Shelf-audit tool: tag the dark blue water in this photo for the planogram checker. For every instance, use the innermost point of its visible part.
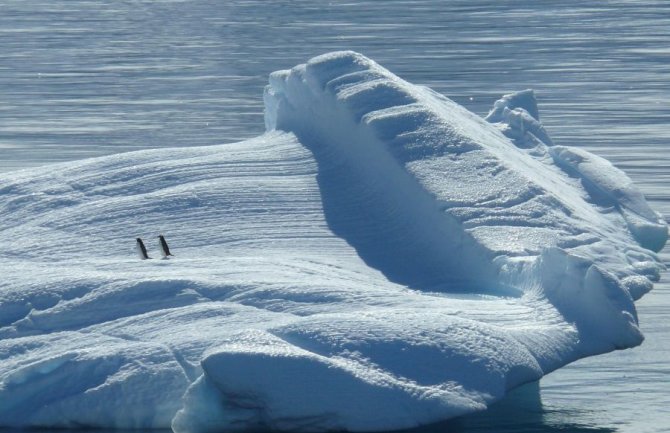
(86, 78)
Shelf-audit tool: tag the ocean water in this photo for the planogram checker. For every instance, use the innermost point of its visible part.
(84, 78)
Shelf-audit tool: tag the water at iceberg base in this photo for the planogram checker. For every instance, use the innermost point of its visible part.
(380, 259)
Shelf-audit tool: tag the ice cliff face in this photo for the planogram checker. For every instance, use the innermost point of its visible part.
(386, 261)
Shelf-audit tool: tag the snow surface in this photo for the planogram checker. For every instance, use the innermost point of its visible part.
(381, 258)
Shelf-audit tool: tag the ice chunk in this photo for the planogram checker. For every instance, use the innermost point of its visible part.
(389, 260)
(609, 186)
(369, 372)
(524, 100)
(518, 118)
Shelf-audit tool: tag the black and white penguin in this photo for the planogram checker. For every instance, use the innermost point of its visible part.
(165, 250)
(141, 249)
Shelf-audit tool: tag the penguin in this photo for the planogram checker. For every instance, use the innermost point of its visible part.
(141, 249)
(165, 250)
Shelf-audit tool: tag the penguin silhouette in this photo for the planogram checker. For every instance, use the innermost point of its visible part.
(141, 249)
(165, 250)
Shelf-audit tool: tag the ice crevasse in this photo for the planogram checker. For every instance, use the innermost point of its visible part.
(380, 259)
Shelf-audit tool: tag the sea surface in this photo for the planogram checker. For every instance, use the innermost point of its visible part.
(81, 79)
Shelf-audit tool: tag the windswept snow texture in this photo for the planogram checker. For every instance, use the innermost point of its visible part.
(380, 259)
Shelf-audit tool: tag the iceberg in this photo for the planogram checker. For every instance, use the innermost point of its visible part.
(380, 259)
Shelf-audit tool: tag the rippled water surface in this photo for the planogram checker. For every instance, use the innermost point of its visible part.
(88, 78)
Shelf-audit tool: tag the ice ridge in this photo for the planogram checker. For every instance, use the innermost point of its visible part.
(442, 191)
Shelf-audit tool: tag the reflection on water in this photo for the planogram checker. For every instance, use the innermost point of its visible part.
(521, 412)
(81, 78)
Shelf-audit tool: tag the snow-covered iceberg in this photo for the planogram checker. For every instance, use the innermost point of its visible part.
(381, 258)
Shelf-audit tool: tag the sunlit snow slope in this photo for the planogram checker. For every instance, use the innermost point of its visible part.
(389, 260)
